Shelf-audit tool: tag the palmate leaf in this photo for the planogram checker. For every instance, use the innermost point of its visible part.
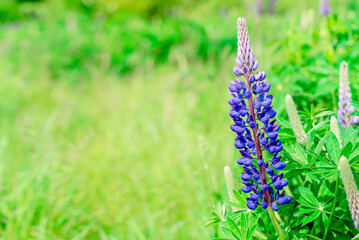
(284, 122)
(338, 235)
(219, 213)
(347, 150)
(329, 174)
(325, 219)
(293, 172)
(324, 194)
(308, 196)
(324, 172)
(212, 221)
(350, 138)
(227, 231)
(354, 156)
(301, 154)
(320, 125)
(241, 200)
(323, 114)
(304, 203)
(234, 228)
(243, 229)
(292, 154)
(311, 217)
(303, 211)
(333, 147)
(311, 139)
(252, 226)
(322, 159)
(356, 107)
(346, 133)
(319, 148)
(244, 224)
(234, 204)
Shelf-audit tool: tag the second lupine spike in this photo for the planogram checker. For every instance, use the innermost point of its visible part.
(334, 127)
(252, 113)
(345, 97)
(351, 189)
(295, 121)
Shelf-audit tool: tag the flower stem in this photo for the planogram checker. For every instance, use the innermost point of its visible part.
(275, 224)
(262, 172)
(278, 217)
(334, 203)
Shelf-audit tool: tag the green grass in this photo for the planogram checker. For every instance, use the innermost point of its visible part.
(135, 159)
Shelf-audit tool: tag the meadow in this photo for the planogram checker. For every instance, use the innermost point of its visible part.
(116, 126)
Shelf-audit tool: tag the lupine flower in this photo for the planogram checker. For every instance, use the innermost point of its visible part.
(295, 121)
(334, 127)
(345, 97)
(252, 113)
(351, 189)
(324, 8)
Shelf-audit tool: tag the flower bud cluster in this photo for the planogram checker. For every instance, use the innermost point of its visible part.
(295, 121)
(252, 113)
(351, 189)
(345, 97)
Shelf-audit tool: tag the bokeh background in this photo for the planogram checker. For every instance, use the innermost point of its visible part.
(114, 115)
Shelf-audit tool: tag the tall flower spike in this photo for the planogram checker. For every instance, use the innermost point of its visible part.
(295, 121)
(350, 189)
(252, 113)
(345, 97)
(334, 127)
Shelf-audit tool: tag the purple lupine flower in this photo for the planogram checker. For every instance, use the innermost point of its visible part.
(345, 97)
(253, 113)
(324, 8)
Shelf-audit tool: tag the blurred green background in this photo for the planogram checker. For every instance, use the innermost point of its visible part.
(114, 115)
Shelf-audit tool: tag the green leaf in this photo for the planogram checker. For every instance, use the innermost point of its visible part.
(303, 211)
(322, 170)
(324, 113)
(329, 174)
(350, 138)
(306, 204)
(235, 204)
(347, 150)
(212, 221)
(301, 154)
(235, 229)
(229, 233)
(325, 219)
(241, 200)
(355, 104)
(252, 226)
(244, 224)
(308, 196)
(311, 218)
(319, 147)
(325, 193)
(354, 156)
(333, 147)
(315, 155)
